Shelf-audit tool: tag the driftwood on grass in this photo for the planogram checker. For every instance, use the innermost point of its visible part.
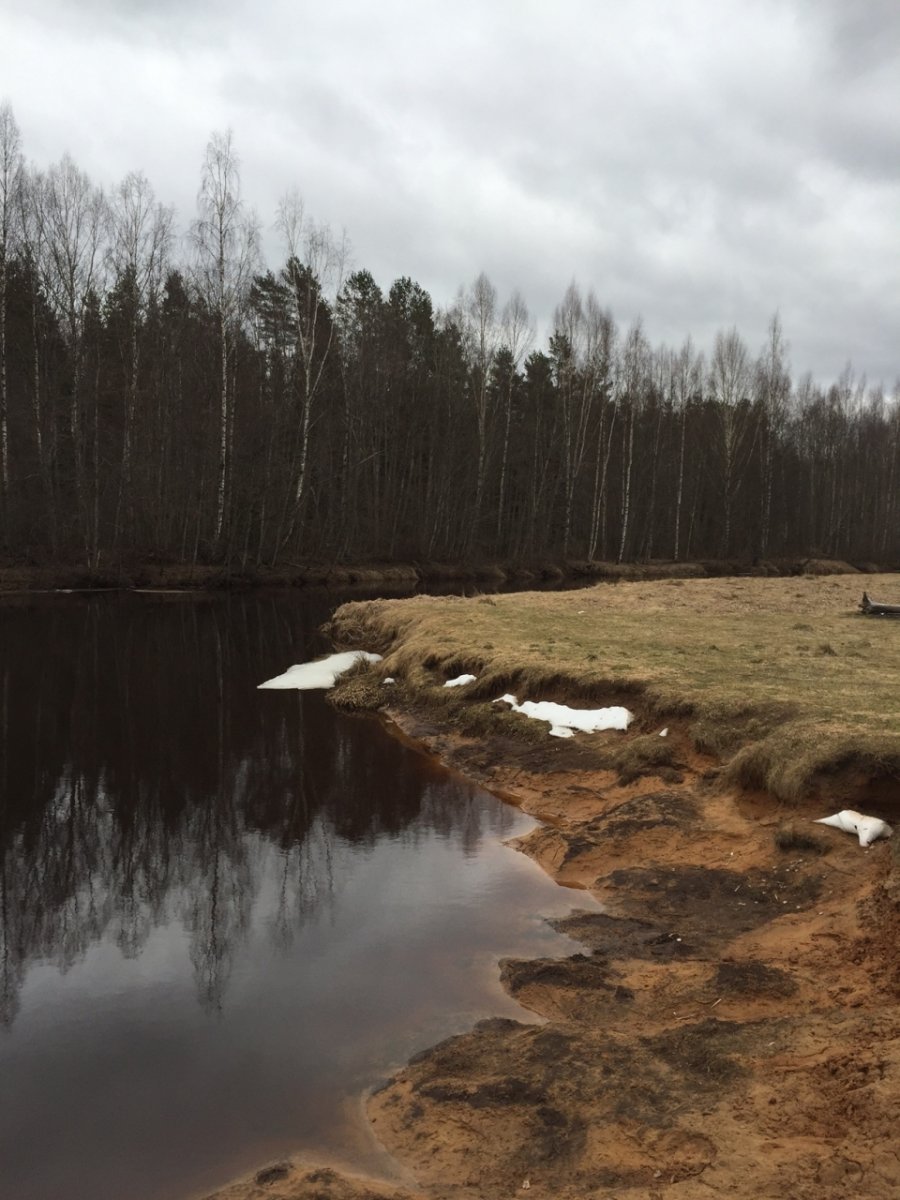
(871, 608)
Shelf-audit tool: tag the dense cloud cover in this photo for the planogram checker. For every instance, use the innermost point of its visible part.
(700, 164)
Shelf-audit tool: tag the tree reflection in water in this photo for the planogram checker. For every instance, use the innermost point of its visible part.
(169, 835)
(144, 780)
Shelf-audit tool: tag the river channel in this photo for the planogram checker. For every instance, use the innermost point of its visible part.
(224, 912)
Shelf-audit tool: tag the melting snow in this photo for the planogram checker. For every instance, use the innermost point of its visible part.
(868, 829)
(320, 674)
(460, 680)
(564, 721)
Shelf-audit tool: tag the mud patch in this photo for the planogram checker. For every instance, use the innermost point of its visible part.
(703, 1053)
(580, 989)
(298, 1181)
(520, 1096)
(273, 1174)
(710, 905)
(576, 851)
(540, 755)
(753, 978)
(650, 811)
(636, 815)
(622, 937)
(578, 971)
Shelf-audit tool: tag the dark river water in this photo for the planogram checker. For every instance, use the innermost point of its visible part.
(224, 913)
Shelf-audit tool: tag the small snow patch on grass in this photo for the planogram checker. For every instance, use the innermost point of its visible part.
(320, 674)
(565, 721)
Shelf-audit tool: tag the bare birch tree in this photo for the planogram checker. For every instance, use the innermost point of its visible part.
(10, 183)
(604, 356)
(686, 388)
(73, 219)
(30, 227)
(141, 243)
(729, 383)
(578, 348)
(314, 276)
(634, 379)
(517, 331)
(773, 389)
(892, 455)
(481, 338)
(226, 242)
(844, 400)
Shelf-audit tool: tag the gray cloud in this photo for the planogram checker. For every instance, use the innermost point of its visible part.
(700, 164)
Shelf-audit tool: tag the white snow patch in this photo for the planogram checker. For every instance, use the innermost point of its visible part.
(564, 721)
(460, 680)
(868, 829)
(320, 674)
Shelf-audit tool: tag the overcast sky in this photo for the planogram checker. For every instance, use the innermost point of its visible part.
(700, 163)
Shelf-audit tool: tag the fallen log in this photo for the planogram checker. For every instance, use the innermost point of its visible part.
(871, 608)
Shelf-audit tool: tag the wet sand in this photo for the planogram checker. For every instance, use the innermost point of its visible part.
(730, 1028)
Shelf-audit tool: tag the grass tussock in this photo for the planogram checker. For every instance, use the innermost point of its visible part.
(546, 683)
(483, 720)
(722, 726)
(359, 691)
(614, 572)
(642, 755)
(368, 576)
(803, 759)
(792, 717)
(828, 566)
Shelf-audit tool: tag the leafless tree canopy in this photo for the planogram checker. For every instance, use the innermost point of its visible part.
(187, 403)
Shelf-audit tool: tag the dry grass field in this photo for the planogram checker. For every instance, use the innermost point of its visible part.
(781, 678)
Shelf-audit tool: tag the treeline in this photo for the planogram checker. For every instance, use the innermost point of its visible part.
(176, 400)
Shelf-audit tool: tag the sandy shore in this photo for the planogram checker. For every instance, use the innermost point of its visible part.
(731, 1027)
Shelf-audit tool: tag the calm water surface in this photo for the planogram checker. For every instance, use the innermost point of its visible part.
(223, 912)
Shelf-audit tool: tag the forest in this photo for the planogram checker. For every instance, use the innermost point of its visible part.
(170, 398)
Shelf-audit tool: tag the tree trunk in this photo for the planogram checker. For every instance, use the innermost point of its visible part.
(679, 488)
(223, 428)
(626, 480)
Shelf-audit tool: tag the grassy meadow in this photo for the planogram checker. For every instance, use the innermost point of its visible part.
(780, 678)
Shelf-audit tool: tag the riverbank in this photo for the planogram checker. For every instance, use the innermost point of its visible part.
(139, 576)
(731, 1025)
